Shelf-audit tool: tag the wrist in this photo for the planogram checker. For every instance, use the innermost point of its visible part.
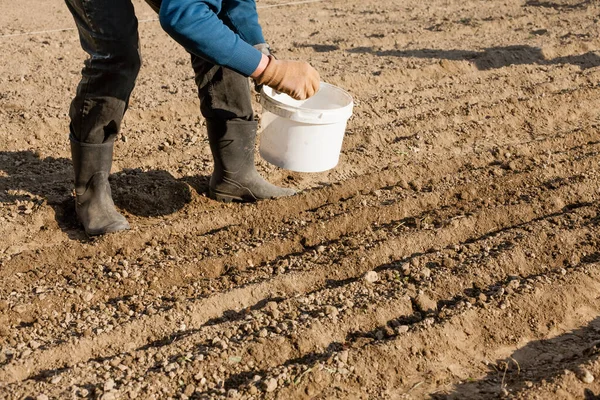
(262, 65)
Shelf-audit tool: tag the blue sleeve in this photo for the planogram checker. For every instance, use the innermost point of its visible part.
(195, 25)
(241, 16)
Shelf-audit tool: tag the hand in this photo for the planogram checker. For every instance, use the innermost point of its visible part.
(294, 78)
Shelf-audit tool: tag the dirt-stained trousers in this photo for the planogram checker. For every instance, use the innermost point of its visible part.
(108, 31)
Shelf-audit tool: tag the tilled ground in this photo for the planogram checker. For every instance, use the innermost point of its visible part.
(452, 254)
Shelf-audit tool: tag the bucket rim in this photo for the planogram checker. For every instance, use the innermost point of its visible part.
(314, 116)
(322, 84)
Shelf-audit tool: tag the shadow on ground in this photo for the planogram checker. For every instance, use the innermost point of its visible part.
(25, 176)
(491, 58)
(538, 360)
(558, 6)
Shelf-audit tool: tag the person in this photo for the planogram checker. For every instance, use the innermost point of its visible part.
(227, 46)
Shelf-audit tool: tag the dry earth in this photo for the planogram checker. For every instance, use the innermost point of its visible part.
(452, 254)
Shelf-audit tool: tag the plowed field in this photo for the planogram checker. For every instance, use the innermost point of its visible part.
(452, 254)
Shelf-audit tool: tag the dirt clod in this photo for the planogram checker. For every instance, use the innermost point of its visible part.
(425, 304)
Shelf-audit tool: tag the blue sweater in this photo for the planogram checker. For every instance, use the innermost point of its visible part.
(220, 31)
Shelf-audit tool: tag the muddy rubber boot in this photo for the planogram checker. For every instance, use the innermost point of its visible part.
(235, 177)
(94, 204)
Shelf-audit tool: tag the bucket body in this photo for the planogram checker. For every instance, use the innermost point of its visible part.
(307, 135)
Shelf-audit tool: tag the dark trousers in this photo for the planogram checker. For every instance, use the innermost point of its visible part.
(108, 30)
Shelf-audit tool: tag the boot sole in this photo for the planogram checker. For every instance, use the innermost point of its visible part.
(118, 227)
(227, 198)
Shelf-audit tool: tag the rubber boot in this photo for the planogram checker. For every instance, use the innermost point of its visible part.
(94, 204)
(235, 177)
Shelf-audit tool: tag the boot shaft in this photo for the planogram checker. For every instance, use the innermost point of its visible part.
(232, 146)
(89, 160)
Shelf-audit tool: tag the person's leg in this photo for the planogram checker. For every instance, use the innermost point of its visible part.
(108, 33)
(226, 105)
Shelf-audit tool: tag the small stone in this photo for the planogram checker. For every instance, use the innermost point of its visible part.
(83, 392)
(270, 385)
(253, 390)
(263, 333)
(171, 367)
(425, 304)
(42, 397)
(271, 306)
(115, 362)
(4, 331)
(109, 385)
(3, 305)
(405, 268)
(425, 273)
(55, 380)
(87, 297)
(20, 309)
(402, 329)
(482, 297)
(198, 377)
(344, 356)
(331, 311)
(34, 344)
(320, 249)
(189, 390)
(371, 277)
(108, 396)
(586, 376)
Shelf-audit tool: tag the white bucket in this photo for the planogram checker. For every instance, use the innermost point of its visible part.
(304, 135)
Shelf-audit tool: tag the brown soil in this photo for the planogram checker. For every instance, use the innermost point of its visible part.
(452, 254)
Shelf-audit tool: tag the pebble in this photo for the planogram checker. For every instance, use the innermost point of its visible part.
(3, 305)
(586, 376)
(344, 356)
(42, 397)
(402, 329)
(320, 249)
(108, 396)
(270, 385)
(331, 311)
(109, 385)
(189, 390)
(20, 309)
(371, 277)
(263, 333)
(253, 390)
(87, 296)
(425, 273)
(34, 344)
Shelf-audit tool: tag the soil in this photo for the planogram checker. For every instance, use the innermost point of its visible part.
(452, 254)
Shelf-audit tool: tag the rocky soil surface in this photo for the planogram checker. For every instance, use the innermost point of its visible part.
(452, 254)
